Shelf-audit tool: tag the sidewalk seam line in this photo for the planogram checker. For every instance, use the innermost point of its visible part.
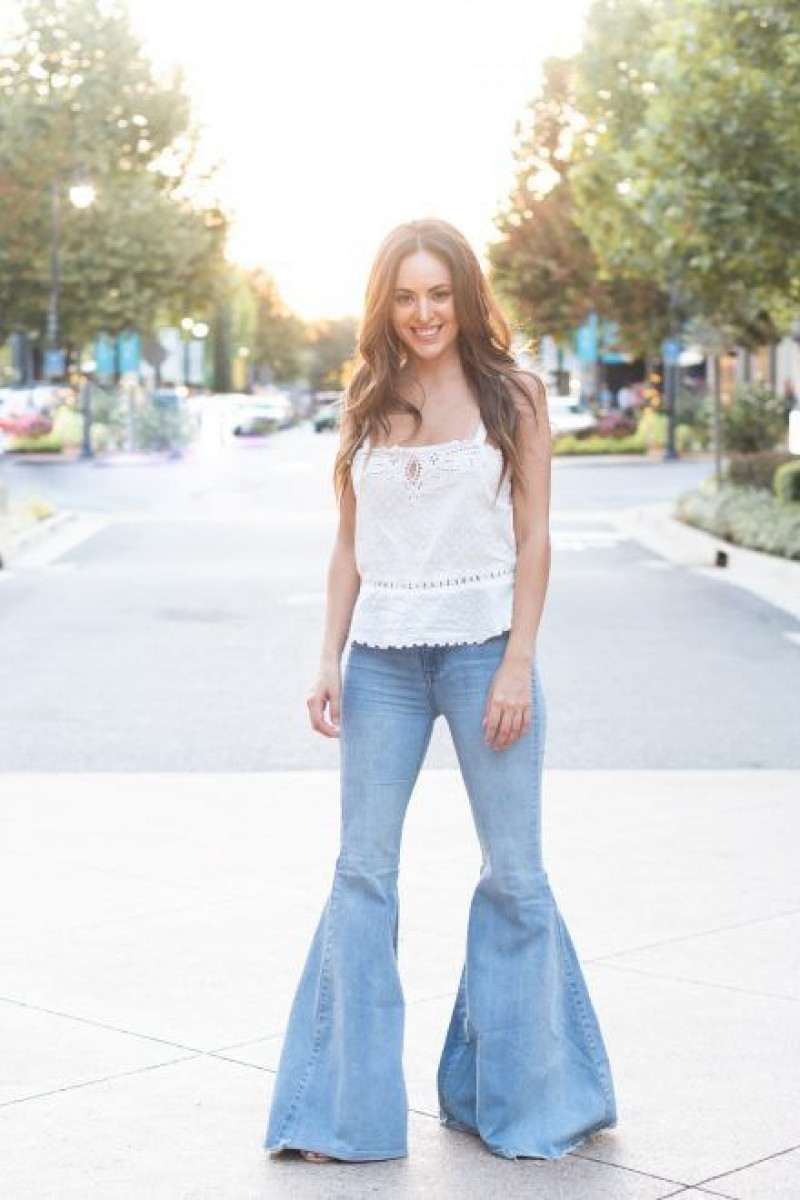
(726, 987)
(688, 937)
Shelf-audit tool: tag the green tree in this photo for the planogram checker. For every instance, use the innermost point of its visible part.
(77, 95)
(689, 155)
(543, 264)
(279, 337)
(331, 347)
(252, 321)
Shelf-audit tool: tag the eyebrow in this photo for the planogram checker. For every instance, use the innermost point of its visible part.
(436, 287)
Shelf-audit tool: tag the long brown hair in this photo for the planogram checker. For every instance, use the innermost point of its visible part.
(484, 339)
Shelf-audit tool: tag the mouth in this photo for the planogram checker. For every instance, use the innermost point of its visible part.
(426, 333)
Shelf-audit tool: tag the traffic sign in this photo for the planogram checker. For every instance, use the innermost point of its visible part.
(670, 350)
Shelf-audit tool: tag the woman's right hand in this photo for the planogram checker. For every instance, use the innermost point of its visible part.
(326, 691)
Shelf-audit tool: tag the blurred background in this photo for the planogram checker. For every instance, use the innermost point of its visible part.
(190, 198)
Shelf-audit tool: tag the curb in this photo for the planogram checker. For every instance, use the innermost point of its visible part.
(774, 579)
(16, 543)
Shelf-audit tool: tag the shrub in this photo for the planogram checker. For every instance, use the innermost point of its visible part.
(614, 424)
(686, 438)
(653, 429)
(49, 442)
(110, 413)
(755, 470)
(68, 425)
(745, 516)
(162, 427)
(569, 444)
(755, 419)
(100, 437)
(786, 482)
(695, 412)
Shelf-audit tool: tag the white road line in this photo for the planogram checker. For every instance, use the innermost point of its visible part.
(586, 539)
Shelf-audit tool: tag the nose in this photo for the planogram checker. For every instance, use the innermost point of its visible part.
(424, 309)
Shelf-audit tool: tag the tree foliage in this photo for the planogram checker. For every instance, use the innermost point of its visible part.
(79, 98)
(332, 345)
(544, 264)
(689, 154)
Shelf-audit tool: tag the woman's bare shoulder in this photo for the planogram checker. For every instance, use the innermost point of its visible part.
(529, 394)
(531, 383)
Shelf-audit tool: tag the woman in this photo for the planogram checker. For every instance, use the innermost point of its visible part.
(438, 576)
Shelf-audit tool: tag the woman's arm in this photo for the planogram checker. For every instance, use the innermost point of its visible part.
(508, 706)
(343, 584)
(531, 523)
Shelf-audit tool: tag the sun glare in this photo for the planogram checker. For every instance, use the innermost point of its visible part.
(332, 120)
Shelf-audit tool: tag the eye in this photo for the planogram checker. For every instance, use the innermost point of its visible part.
(441, 294)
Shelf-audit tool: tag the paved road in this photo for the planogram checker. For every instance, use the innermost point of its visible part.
(183, 634)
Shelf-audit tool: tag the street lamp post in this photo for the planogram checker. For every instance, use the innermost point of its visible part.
(81, 195)
(52, 312)
(670, 354)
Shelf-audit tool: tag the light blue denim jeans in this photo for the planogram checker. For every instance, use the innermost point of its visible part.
(523, 1064)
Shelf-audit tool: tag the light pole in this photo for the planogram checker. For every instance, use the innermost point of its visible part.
(670, 353)
(81, 195)
(87, 370)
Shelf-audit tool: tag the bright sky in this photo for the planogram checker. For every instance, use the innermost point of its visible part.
(337, 119)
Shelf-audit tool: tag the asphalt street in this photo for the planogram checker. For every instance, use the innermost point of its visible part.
(178, 627)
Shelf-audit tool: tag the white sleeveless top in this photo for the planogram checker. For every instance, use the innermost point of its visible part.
(435, 552)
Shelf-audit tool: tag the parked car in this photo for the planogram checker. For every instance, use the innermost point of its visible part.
(569, 416)
(255, 415)
(327, 416)
(33, 397)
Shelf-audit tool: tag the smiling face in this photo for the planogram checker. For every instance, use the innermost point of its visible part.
(423, 310)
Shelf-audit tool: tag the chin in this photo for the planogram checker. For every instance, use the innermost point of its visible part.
(428, 352)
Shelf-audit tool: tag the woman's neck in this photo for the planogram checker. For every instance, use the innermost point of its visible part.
(442, 375)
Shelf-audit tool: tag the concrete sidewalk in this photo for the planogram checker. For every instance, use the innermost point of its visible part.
(153, 928)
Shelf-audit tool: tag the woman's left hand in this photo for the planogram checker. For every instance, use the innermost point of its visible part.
(508, 706)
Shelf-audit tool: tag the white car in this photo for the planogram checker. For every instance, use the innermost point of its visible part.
(569, 416)
(261, 413)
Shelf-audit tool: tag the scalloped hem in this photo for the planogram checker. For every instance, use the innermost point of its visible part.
(406, 645)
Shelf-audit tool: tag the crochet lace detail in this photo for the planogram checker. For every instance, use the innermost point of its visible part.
(418, 466)
(435, 545)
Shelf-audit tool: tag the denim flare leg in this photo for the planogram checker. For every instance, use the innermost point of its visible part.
(523, 1065)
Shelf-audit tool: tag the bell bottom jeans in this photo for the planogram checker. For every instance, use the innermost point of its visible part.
(523, 1063)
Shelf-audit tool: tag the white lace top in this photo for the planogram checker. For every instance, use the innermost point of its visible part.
(435, 552)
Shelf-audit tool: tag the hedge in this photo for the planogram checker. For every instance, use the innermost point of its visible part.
(747, 517)
(786, 482)
(568, 444)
